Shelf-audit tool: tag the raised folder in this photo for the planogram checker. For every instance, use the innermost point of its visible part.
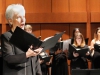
(81, 51)
(46, 59)
(24, 40)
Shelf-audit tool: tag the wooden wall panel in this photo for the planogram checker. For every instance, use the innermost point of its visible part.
(94, 26)
(50, 30)
(0, 18)
(0, 6)
(60, 6)
(69, 17)
(95, 5)
(8, 2)
(0, 29)
(81, 26)
(28, 6)
(1, 11)
(95, 16)
(77, 5)
(37, 6)
(36, 29)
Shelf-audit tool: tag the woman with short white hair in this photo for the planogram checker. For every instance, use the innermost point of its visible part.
(15, 60)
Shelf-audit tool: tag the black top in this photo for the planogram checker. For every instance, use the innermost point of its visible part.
(78, 62)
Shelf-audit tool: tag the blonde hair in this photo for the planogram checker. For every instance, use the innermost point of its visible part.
(82, 43)
(28, 27)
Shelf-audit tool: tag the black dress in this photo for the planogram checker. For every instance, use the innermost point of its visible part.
(96, 59)
(79, 62)
(44, 67)
(59, 64)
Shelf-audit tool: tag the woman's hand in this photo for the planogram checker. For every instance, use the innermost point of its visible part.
(75, 54)
(88, 53)
(31, 52)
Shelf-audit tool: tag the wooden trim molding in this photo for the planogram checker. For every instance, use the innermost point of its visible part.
(68, 17)
(95, 16)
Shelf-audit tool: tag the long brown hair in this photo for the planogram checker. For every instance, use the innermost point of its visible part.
(95, 34)
(82, 43)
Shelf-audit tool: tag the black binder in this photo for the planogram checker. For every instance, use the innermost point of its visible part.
(80, 72)
(24, 40)
(46, 59)
(60, 45)
(95, 72)
(85, 72)
(81, 51)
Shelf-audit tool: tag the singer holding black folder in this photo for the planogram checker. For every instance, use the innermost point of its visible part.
(59, 62)
(95, 49)
(77, 60)
(16, 61)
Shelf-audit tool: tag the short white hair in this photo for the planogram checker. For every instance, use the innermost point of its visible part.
(11, 9)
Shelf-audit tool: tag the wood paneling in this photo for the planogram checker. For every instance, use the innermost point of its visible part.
(0, 11)
(50, 30)
(82, 28)
(36, 29)
(0, 18)
(94, 26)
(8, 2)
(37, 6)
(95, 16)
(69, 17)
(95, 5)
(0, 29)
(60, 6)
(0, 6)
(77, 5)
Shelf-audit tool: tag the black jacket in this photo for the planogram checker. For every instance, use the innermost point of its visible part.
(15, 61)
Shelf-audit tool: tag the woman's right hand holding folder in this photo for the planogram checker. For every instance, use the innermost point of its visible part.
(32, 52)
(75, 54)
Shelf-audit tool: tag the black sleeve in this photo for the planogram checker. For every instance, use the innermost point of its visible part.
(8, 52)
(70, 56)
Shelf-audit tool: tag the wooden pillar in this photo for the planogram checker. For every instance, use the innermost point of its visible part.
(88, 27)
(3, 16)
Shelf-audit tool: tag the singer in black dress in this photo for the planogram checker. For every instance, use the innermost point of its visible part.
(78, 61)
(95, 52)
(59, 62)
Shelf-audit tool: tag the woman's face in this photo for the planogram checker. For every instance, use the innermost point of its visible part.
(18, 20)
(77, 31)
(28, 30)
(98, 32)
(78, 40)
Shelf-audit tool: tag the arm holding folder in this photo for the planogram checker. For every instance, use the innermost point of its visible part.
(80, 51)
(24, 40)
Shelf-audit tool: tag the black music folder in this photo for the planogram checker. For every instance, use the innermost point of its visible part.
(94, 71)
(81, 51)
(46, 59)
(97, 47)
(60, 45)
(24, 40)
(80, 72)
